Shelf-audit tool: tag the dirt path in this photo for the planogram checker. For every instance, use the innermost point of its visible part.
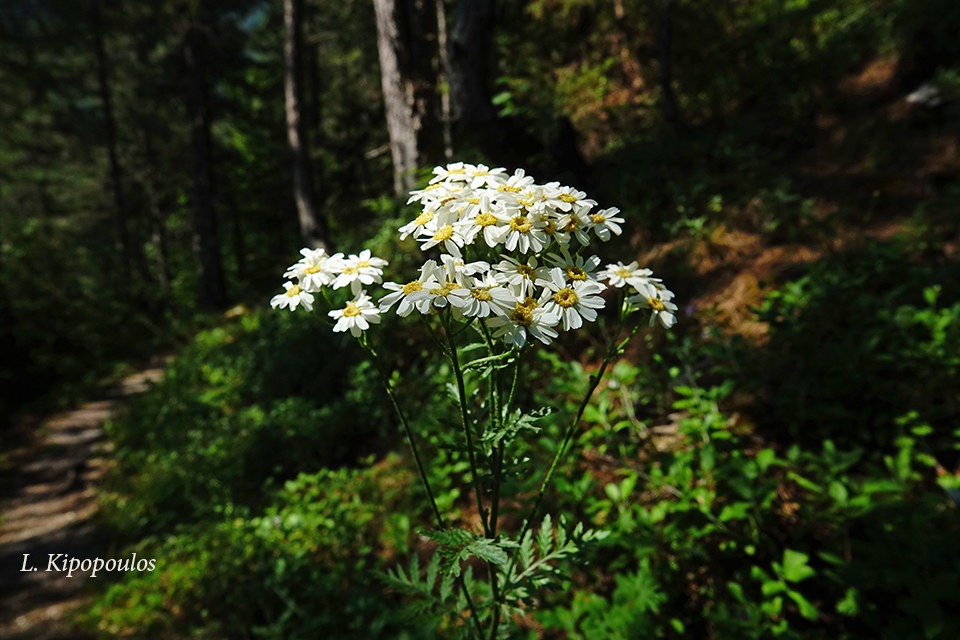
(48, 502)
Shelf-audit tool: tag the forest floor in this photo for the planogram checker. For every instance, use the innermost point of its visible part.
(49, 503)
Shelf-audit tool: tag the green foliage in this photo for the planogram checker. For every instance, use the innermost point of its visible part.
(718, 536)
(300, 569)
(246, 406)
(874, 317)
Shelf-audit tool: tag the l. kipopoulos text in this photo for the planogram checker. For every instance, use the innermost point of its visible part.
(64, 563)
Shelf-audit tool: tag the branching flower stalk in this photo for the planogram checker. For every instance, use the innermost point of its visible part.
(530, 276)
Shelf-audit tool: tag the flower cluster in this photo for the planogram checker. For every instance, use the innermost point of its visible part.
(512, 256)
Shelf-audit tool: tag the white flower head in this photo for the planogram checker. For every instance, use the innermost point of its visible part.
(525, 233)
(357, 316)
(315, 269)
(606, 222)
(359, 270)
(483, 297)
(292, 297)
(619, 274)
(413, 295)
(572, 302)
(526, 319)
(576, 268)
(651, 294)
(520, 276)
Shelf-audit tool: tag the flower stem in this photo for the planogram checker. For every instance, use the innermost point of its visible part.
(407, 432)
(465, 423)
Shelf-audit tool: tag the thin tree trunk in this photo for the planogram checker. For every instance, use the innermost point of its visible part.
(121, 222)
(313, 229)
(470, 63)
(212, 287)
(406, 41)
(446, 107)
(671, 112)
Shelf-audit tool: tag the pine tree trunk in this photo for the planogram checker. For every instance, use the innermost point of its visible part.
(407, 44)
(470, 63)
(121, 221)
(313, 229)
(212, 288)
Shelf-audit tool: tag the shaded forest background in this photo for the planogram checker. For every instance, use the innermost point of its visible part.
(162, 162)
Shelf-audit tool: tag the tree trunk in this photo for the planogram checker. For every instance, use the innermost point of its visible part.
(212, 288)
(470, 63)
(313, 229)
(671, 112)
(121, 222)
(407, 44)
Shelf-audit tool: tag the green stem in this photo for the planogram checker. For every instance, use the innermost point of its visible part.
(465, 423)
(615, 348)
(407, 432)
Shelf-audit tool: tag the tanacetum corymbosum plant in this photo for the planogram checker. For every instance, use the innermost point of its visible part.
(511, 268)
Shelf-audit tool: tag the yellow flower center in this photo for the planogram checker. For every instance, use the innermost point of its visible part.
(293, 291)
(423, 218)
(576, 273)
(522, 315)
(363, 264)
(312, 269)
(598, 218)
(506, 188)
(473, 200)
(571, 224)
(444, 233)
(521, 224)
(526, 202)
(351, 270)
(566, 197)
(351, 310)
(526, 271)
(486, 219)
(528, 303)
(550, 229)
(412, 287)
(444, 289)
(481, 294)
(624, 273)
(656, 304)
(566, 297)
(458, 172)
(481, 172)
(435, 185)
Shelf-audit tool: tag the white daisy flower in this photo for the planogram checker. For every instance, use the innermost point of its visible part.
(452, 172)
(418, 223)
(525, 234)
(359, 270)
(567, 199)
(575, 268)
(481, 297)
(443, 230)
(357, 316)
(315, 269)
(413, 295)
(526, 319)
(522, 276)
(572, 302)
(619, 275)
(605, 222)
(654, 296)
(293, 296)
(483, 176)
(574, 224)
(487, 222)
